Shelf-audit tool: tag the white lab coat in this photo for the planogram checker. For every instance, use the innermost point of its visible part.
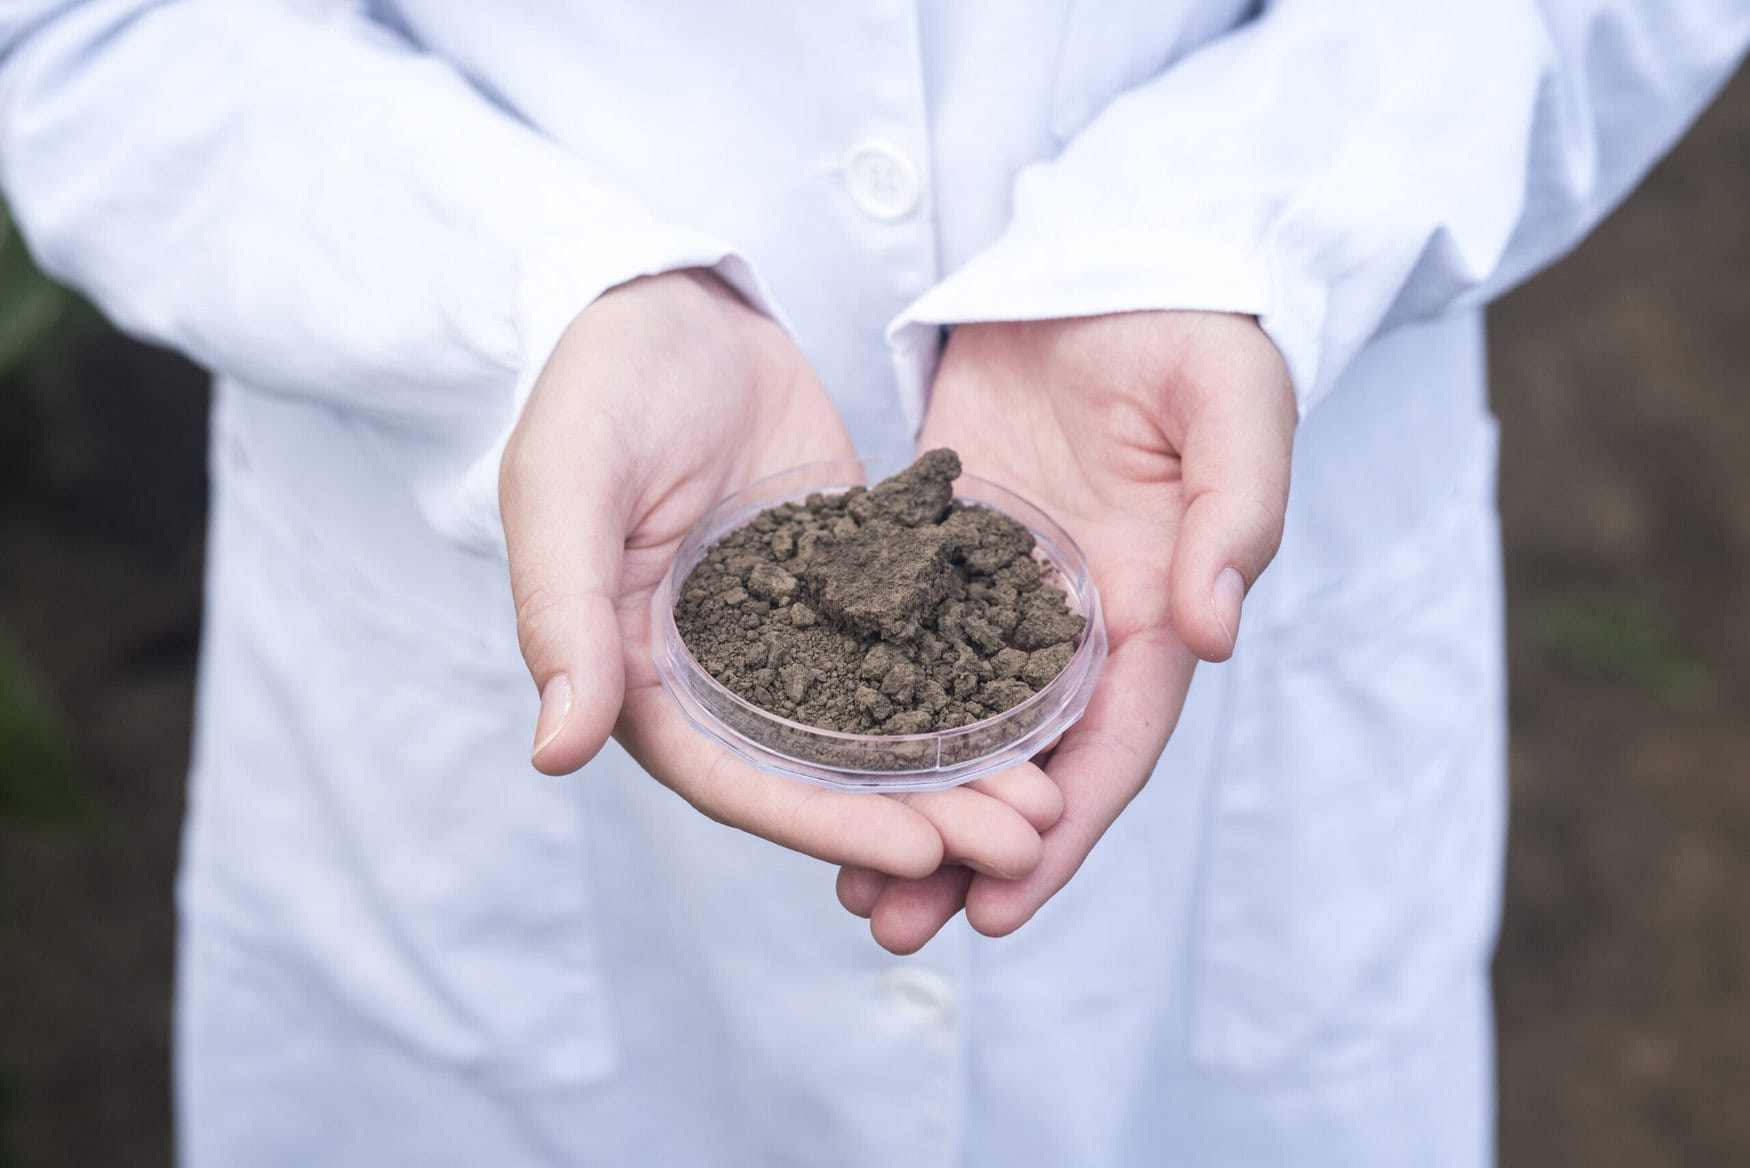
(401, 946)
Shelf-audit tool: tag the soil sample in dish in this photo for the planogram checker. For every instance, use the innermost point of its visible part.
(891, 610)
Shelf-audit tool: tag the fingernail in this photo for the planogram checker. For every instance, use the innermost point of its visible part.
(555, 708)
(1225, 600)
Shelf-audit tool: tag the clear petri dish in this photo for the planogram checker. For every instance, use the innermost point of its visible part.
(877, 762)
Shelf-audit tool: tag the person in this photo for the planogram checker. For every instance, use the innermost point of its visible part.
(500, 298)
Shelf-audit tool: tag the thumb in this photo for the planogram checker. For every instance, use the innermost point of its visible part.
(1235, 460)
(565, 530)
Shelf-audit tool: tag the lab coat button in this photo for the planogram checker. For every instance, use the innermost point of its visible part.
(882, 180)
(925, 995)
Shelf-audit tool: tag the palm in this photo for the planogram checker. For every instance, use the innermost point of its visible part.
(1119, 493)
(1098, 444)
(754, 432)
(652, 412)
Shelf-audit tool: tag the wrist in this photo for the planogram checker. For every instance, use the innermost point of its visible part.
(1126, 353)
(688, 309)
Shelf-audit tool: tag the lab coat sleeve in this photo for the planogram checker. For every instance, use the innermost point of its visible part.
(1336, 169)
(294, 196)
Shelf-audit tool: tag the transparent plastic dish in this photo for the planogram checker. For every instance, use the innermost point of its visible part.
(877, 762)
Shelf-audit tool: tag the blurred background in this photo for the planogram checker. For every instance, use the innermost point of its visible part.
(1622, 379)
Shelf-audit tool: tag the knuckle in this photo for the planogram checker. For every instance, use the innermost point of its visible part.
(1260, 519)
(709, 795)
(541, 614)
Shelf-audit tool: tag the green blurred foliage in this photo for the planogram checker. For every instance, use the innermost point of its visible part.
(38, 777)
(32, 307)
(1619, 639)
(38, 782)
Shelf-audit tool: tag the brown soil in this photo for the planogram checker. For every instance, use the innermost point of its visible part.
(892, 610)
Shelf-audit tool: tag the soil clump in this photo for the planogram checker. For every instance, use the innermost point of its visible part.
(889, 610)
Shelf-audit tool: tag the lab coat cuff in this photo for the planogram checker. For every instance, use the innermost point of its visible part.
(556, 288)
(1048, 278)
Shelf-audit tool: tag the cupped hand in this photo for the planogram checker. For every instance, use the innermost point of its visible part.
(1161, 442)
(664, 395)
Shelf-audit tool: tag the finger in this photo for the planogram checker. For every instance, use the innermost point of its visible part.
(910, 912)
(565, 527)
(859, 889)
(836, 826)
(1100, 765)
(983, 833)
(1236, 448)
(1026, 788)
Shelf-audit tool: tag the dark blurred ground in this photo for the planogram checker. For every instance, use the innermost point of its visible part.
(1624, 975)
(102, 488)
(1622, 379)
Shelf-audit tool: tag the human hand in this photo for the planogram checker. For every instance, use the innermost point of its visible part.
(1160, 441)
(664, 395)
